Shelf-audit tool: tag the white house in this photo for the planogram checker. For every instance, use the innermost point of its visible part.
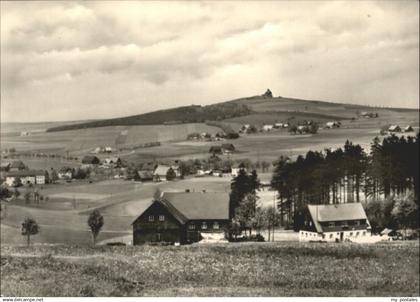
(394, 128)
(26, 176)
(278, 125)
(331, 125)
(65, 174)
(408, 129)
(268, 127)
(335, 223)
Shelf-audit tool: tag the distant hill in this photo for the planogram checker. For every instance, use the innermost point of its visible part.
(250, 109)
(180, 115)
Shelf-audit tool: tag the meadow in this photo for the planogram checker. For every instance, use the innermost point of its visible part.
(63, 218)
(247, 269)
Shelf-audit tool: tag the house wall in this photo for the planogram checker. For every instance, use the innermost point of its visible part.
(40, 179)
(193, 234)
(169, 230)
(25, 180)
(306, 236)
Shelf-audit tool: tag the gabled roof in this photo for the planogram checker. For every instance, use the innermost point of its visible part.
(394, 127)
(17, 164)
(145, 174)
(336, 212)
(5, 164)
(230, 147)
(161, 170)
(194, 205)
(199, 205)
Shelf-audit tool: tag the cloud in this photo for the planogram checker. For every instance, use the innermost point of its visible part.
(82, 58)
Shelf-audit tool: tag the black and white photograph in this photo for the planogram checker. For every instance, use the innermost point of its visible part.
(209, 149)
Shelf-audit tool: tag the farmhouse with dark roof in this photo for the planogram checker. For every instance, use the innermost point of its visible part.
(182, 217)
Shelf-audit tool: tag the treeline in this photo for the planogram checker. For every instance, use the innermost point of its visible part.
(187, 114)
(347, 174)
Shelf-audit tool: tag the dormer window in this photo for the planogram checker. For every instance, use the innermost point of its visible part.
(204, 225)
(215, 225)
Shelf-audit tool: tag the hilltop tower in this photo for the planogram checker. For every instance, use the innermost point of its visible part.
(268, 94)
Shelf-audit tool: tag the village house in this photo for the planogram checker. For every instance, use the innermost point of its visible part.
(228, 148)
(145, 175)
(182, 217)
(90, 160)
(26, 176)
(267, 127)
(161, 170)
(278, 125)
(216, 150)
(368, 114)
(408, 129)
(17, 165)
(5, 166)
(335, 223)
(65, 173)
(302, 129)
(394, 128)
(331, 125)
(25, 133)
(116, 161)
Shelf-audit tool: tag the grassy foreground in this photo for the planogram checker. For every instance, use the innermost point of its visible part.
(254, 269)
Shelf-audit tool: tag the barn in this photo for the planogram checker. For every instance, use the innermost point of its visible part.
(335, 223)
(182, 217)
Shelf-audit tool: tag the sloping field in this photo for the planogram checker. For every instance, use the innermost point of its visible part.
(85, 140)
(250, 269)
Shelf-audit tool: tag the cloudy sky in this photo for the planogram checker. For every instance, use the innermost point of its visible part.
(78, 60)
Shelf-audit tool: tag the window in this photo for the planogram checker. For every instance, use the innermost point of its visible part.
(151, 218)
(351, 234)
(331, 224)
(215, 225)
(357, 222)
(161, 217)
(357, 234)
(204, 225)
(310, 223)
(191, 226)
(331, 236)
(364, 233)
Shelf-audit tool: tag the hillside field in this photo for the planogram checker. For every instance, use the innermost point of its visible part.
(249, 269)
